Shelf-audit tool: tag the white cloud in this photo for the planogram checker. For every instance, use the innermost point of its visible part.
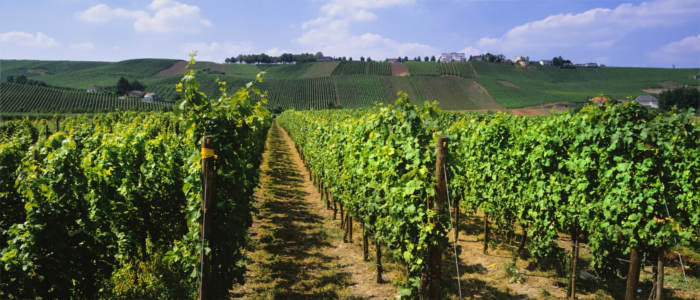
(471, 51)
(685, 51)
(27, 39)
(599, 28)
(331, 32)
(164, 16)
(215, 51)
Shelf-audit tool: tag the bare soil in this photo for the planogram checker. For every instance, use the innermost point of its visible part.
(399, 69)
(175, 69)
(296, 249)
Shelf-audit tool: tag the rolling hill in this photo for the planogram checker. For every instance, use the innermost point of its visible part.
(457, 86)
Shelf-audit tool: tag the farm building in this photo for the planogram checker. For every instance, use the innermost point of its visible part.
(94, 89)
(393, 60)
(454, 56)
(599, 100)
(151, 96)
(546, 62)
(648, 101)
(523, 61)
(587, 65)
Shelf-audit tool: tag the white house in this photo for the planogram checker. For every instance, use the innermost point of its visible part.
(151, 97)
(454, 56)
(545, 62)
(648, 101)
(94, 89)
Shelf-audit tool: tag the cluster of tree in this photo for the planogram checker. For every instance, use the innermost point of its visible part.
(263, 58)
(426, 59)
(561, 62)
(21, 79)
(488, 57)
(681, 98)
(124, 86)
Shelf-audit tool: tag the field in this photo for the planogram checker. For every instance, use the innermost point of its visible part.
(537, 85)
(422, 68)
(316, 93)
(362, 68)
(359, 91)
(452, 93)
(17, 98)
(457, 86)
(320, 69)
(510, 199)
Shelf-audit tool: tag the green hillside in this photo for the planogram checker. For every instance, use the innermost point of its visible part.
(19, 98)
(518, 87)
(457, 86)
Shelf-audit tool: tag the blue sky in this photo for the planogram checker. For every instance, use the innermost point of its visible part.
(658, 33)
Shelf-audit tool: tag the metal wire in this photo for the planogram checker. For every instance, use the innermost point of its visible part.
(454, 244)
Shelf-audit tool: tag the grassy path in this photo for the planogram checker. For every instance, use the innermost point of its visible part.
(296, 250)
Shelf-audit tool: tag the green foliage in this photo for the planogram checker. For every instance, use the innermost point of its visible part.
(377, 164)
(681, 98)
(359, 90)
(109, 206)
(620, 177)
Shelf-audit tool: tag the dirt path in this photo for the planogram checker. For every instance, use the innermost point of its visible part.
(296, 251)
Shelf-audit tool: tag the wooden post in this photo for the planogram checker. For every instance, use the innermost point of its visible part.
(57, 125)
(660, 275)
(206, 283)
(379, 262)
(456, 209)
(365, 247)
(350, 228)
(435, 267)
(46, 130)
(574, 258)
(633, 275)
(486, 233)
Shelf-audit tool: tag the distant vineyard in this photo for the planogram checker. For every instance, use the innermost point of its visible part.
(300, 94)
(362, 68)
(422, 68)
(357, 91)
(456, 69)
(17, 98)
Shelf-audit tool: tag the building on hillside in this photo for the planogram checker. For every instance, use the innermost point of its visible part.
(648, 101)
(546, 62)
(94, 90)
(523, 61)
(151, 97)
(600, 100)
(480, 57)
(136, 93)
(454, 56)
(587, 65)
(518, 59)
(393, 60)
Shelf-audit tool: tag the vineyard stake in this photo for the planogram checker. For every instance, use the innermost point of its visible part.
(633, 275)
(435, 267)
(350, 228)
(365, 247)
(456, 208)
(660, 276)
(486, 233)
(206, 285)
(379, 262)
